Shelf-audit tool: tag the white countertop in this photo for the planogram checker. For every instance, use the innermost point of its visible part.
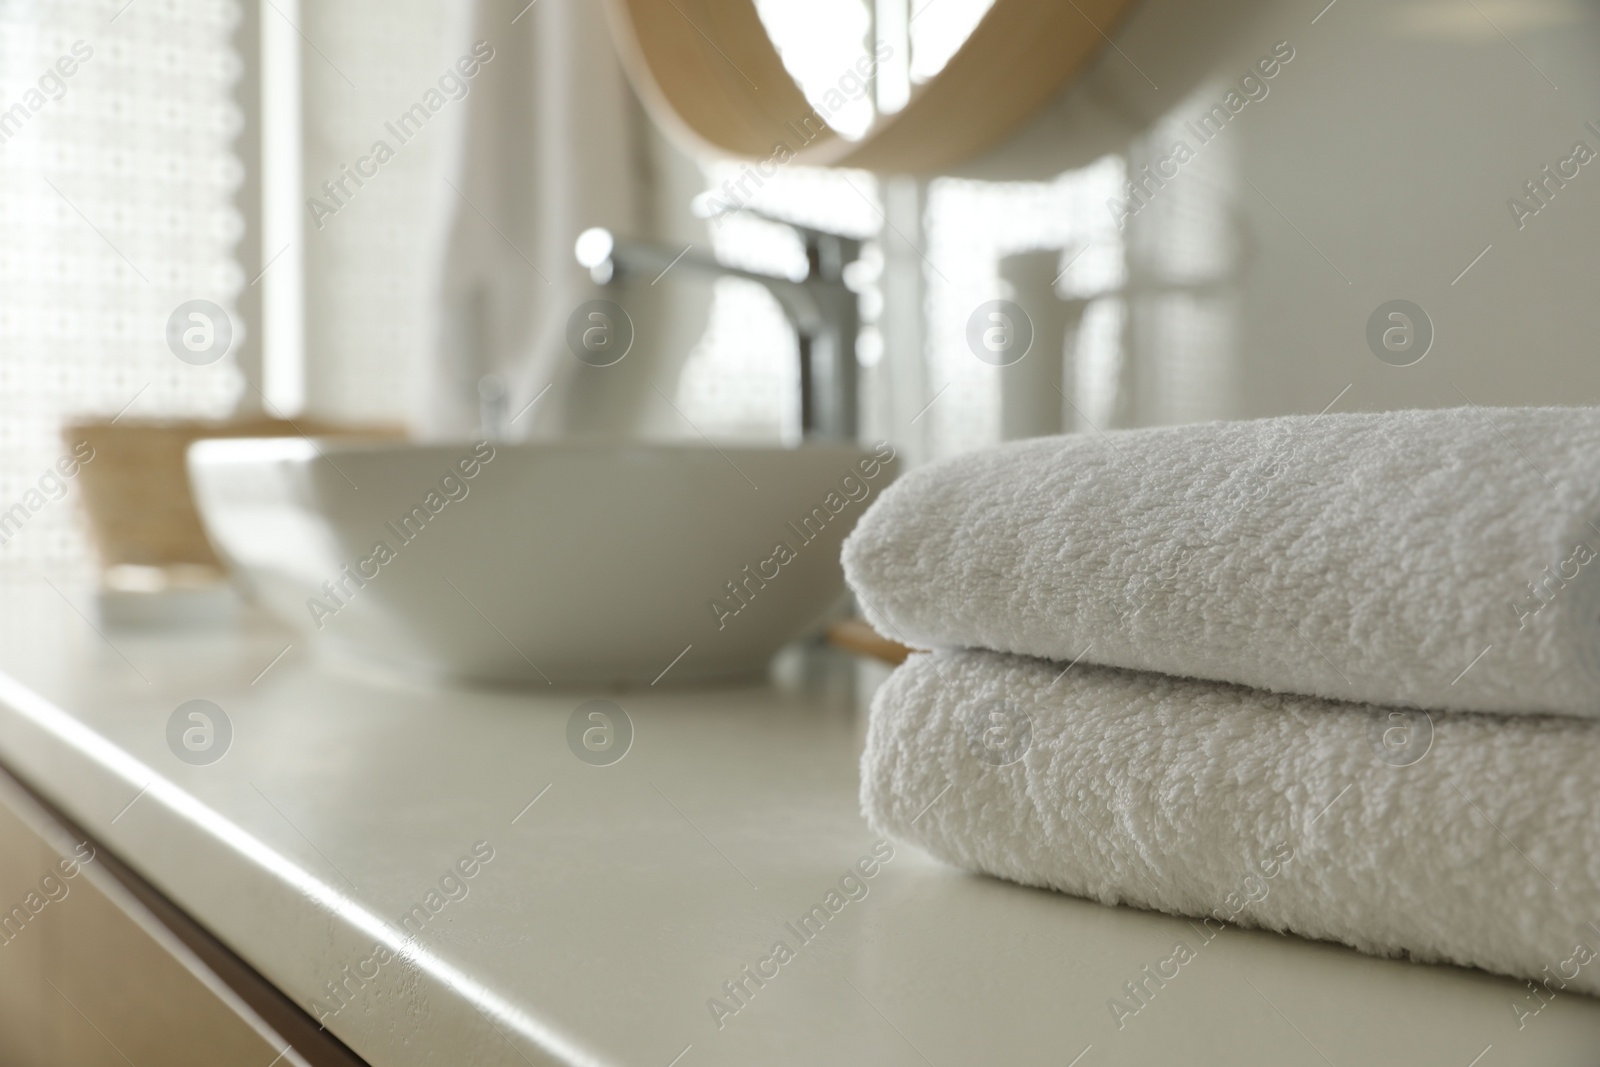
(621, 901)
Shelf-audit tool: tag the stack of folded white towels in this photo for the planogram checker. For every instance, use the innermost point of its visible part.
(1338, 676)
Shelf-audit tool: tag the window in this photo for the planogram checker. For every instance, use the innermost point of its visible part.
(116, 206)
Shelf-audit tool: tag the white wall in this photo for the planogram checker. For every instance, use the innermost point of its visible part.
(370, 269)
(1388, 148)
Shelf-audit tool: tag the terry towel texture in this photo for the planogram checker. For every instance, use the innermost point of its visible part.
(1356, 557)
(1263, 810)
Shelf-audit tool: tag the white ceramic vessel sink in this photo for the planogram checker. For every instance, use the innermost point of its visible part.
(539, 563)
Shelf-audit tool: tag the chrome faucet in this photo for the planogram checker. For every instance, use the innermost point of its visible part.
(821, 308)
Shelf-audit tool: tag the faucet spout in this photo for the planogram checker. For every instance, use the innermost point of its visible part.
(821, 308)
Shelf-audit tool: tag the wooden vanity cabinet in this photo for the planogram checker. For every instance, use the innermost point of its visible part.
(98, 970)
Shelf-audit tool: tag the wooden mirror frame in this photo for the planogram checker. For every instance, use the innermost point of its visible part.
(710, 75)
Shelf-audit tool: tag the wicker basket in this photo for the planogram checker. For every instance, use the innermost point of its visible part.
(136, 486)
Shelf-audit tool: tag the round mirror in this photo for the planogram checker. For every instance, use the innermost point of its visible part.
(888, 85)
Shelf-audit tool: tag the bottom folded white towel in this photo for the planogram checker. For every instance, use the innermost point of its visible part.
(1460, 838)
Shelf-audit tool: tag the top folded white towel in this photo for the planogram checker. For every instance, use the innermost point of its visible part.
(1444, 559)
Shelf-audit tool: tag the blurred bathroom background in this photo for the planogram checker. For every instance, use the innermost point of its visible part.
(1376, 164)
